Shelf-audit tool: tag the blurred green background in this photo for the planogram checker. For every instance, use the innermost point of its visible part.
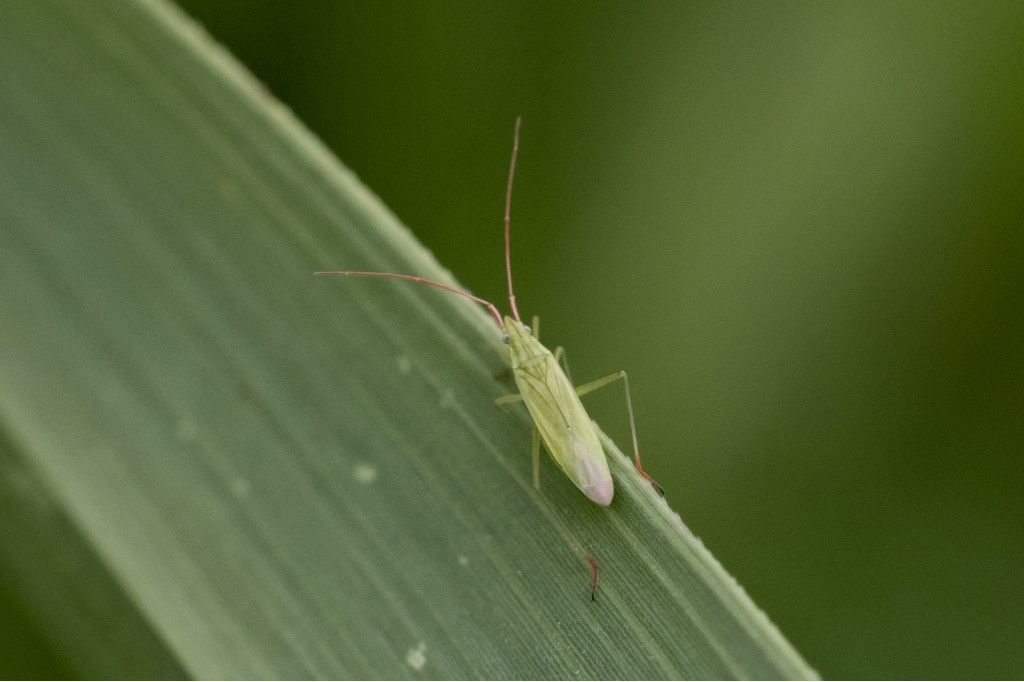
(797, 225)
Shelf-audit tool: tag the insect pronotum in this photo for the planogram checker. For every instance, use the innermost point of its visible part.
(559, 418)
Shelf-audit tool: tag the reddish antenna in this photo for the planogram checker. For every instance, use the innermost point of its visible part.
(491, 308)
(421, 280)
(508, 219)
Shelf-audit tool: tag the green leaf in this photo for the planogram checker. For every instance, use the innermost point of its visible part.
(215, 465)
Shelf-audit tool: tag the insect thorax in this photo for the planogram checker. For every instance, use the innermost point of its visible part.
(525, 350)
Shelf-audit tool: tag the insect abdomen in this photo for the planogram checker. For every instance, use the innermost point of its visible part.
(564, 425)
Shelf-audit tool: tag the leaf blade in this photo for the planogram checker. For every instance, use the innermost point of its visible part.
(291, 477)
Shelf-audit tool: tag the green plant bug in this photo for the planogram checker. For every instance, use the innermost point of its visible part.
(560, 420)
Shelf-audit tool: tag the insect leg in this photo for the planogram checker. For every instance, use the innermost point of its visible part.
(506, 372)
(595, 572)
(561, 359)
(535, 328)
(604, 381)
(515, 397)
(536, 458)
(508, 399)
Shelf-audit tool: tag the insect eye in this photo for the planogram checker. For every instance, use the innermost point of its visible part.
(504, 339)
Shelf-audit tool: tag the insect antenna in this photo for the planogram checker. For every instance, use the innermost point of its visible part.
(491, 308)
(508, 219)
(420, 280)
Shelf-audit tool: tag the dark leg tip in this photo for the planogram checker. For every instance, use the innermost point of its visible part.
(647, 477)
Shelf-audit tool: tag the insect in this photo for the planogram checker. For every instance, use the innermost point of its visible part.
(560, 420)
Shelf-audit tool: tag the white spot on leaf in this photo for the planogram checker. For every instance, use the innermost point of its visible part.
(364, 473)
(447, 398)
(416, 657)
(404, 364)
(240, 487)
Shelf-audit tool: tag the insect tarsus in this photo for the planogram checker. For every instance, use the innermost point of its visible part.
(595, 572)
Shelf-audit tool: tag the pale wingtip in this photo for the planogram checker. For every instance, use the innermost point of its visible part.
(601, 493)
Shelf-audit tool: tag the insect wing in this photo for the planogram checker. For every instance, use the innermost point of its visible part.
(564, 425)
